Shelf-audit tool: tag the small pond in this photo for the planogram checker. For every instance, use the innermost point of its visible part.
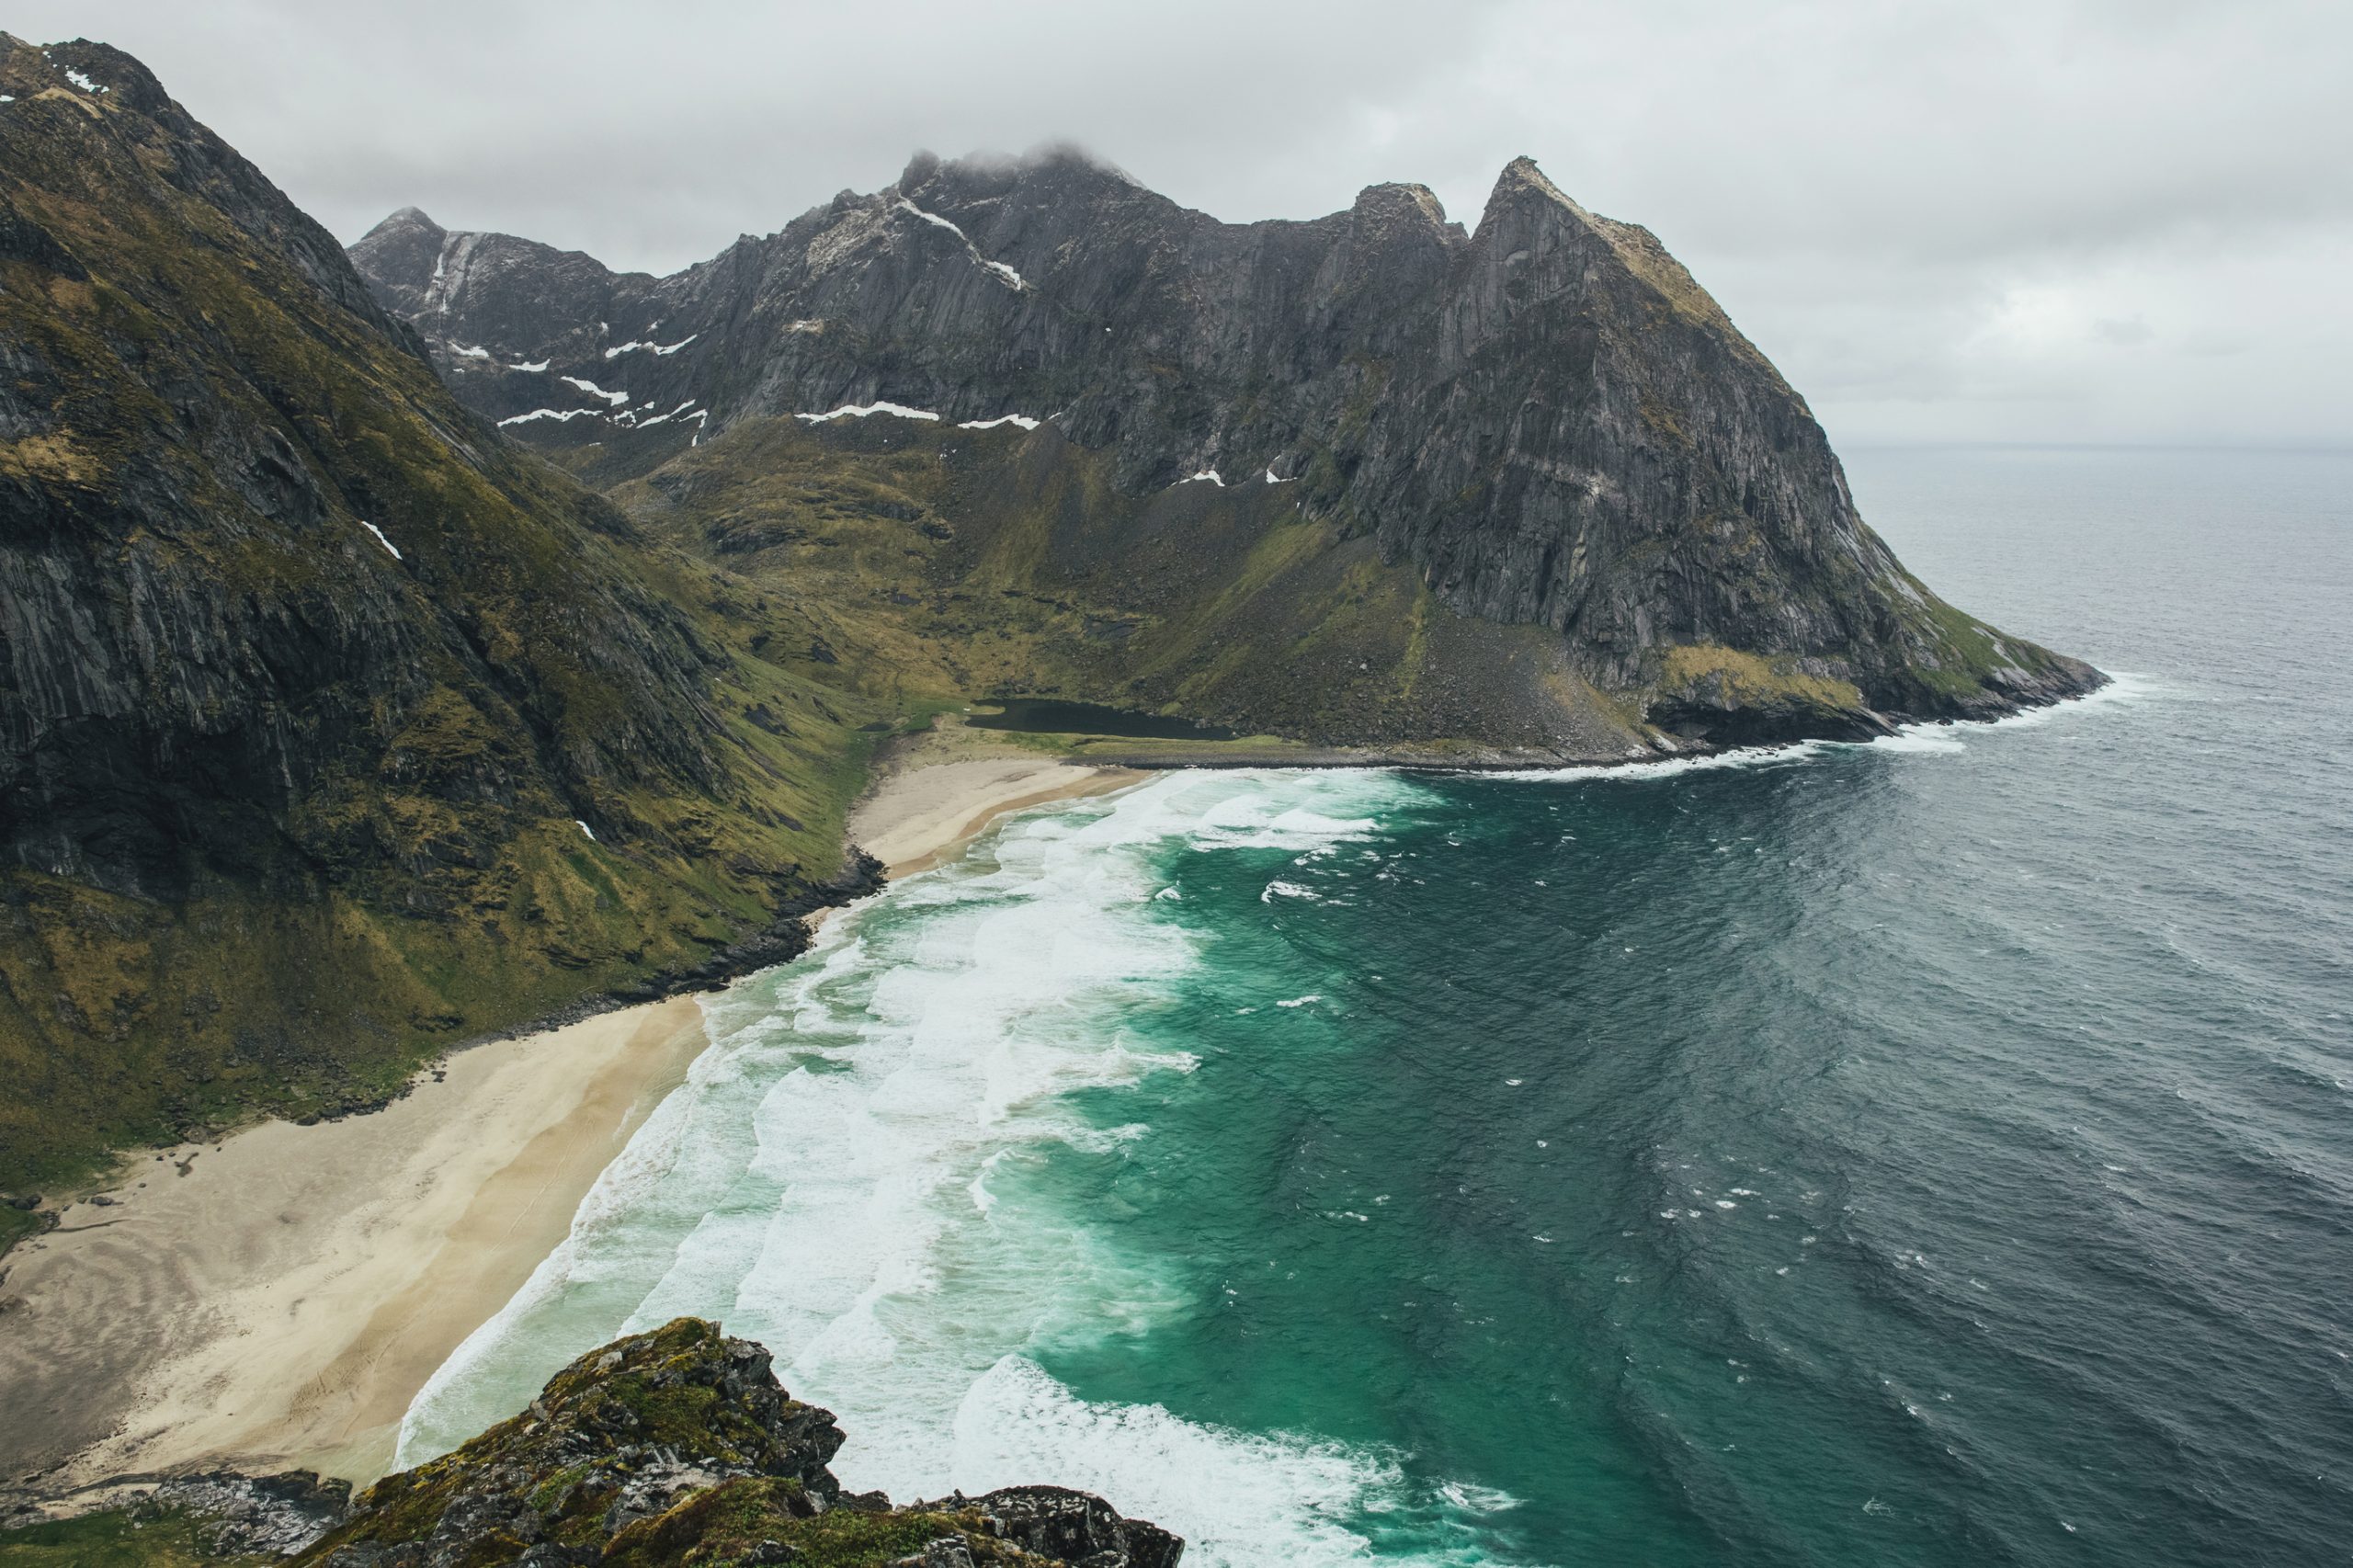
(1039, 715)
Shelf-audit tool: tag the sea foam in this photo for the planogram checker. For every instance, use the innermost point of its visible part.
(848, 1176)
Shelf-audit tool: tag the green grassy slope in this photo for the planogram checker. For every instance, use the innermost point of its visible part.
(955, 563)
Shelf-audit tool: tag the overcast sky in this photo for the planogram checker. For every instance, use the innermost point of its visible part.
(2128, 222)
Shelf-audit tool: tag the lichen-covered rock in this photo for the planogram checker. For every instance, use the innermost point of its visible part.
(678, 1447)
(260, 1515)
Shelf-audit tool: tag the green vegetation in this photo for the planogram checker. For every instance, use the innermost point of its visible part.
(731, 1522)
(118, 1537)
(1735, 679)
(949, 565)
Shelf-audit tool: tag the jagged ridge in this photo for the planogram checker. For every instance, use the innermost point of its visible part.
(1546, 420)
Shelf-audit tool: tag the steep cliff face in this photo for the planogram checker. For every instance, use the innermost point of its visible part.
(1545, 421)
(331, 724)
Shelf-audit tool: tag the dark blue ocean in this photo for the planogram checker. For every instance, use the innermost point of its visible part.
(1938, 1151)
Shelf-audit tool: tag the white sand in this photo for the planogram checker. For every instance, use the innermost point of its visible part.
(922, 812)
(281, 1302)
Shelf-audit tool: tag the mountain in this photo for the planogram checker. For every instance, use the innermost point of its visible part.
(1587, 516)
(413, 643)
(334, 727)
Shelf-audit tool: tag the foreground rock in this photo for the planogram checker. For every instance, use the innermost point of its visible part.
(678, 1447)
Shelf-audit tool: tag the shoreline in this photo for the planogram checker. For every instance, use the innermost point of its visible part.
(923, 810)
(277, 1299)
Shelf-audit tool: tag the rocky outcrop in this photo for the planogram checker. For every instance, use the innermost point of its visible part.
(252, 1516)
(678, 1447)
(1545, 418)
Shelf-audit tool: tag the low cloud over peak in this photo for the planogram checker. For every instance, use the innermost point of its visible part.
(1944, 221)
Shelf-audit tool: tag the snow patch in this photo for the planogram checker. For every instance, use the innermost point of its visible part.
(633, 345)
(82, 82)
(463, 352)
(1273, 479)
(558, 415)
(388, 544)
(997, 269)
(636, 423)
(808, 324)
(1208, 474)
(856, 411)
(1023, 420)
(593, 390)
(584, 829)
(934, 219)
(537, 368)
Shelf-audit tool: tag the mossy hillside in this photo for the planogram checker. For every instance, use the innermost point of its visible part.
(117, 1537)
(602, 1420)
(1962, 664)
(951, 564)
(318, 820)
(1731, 679)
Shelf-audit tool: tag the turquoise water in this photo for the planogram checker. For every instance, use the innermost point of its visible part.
(1933, 1152)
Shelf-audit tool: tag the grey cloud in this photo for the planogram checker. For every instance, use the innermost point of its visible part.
(1932, 216)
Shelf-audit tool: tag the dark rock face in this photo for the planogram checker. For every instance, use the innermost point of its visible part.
(1076, 1527)
(1546, 417)
(208, 598)
(273, 1516)
(678, 1447)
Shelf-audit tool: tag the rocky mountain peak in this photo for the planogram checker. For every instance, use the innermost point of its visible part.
(1549, 418)
(98, 72)
(1523, 177)
(1405, 201)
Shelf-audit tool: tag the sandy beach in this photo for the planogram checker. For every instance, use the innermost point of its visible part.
(277, 1300)
(925, 810)
(280, 1301)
